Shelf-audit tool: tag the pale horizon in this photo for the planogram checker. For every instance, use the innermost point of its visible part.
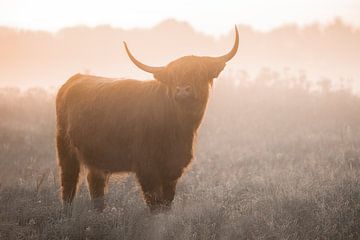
(216, 18)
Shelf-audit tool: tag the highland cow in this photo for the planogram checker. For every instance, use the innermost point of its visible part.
(144, 127)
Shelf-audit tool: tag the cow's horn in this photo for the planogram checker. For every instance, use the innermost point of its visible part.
(140, 65)
(233, 51)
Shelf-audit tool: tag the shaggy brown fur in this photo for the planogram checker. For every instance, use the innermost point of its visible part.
(144, 127)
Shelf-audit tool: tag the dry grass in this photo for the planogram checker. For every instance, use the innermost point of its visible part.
(273, 162)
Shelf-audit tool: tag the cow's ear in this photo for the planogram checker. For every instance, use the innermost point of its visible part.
(215, 68)
(161, 76)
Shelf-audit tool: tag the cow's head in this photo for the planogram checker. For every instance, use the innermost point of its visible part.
(189, 78)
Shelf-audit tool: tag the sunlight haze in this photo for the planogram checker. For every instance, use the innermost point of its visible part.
(212, 17)
(172, 120)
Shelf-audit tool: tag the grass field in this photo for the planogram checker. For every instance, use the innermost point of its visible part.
(273, 161)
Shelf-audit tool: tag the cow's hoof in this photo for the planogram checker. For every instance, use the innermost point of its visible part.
(98, 204)
(67, 210)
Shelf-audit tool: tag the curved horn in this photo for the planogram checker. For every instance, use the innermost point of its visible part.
(233, 51)
(140, 65)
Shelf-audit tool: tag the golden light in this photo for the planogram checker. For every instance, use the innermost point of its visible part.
(214, 17)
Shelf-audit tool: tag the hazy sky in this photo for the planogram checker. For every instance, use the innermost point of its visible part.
(211, 16)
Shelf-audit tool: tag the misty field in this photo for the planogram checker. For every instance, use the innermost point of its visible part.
(276, 158)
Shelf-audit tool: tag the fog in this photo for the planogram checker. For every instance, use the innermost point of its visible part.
(276, 157)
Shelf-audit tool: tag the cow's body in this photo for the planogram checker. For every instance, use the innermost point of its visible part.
(144, 127)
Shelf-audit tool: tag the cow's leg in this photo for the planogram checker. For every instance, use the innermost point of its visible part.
(69, 170)
(169, 187)
(152, 190)
(97, 181)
